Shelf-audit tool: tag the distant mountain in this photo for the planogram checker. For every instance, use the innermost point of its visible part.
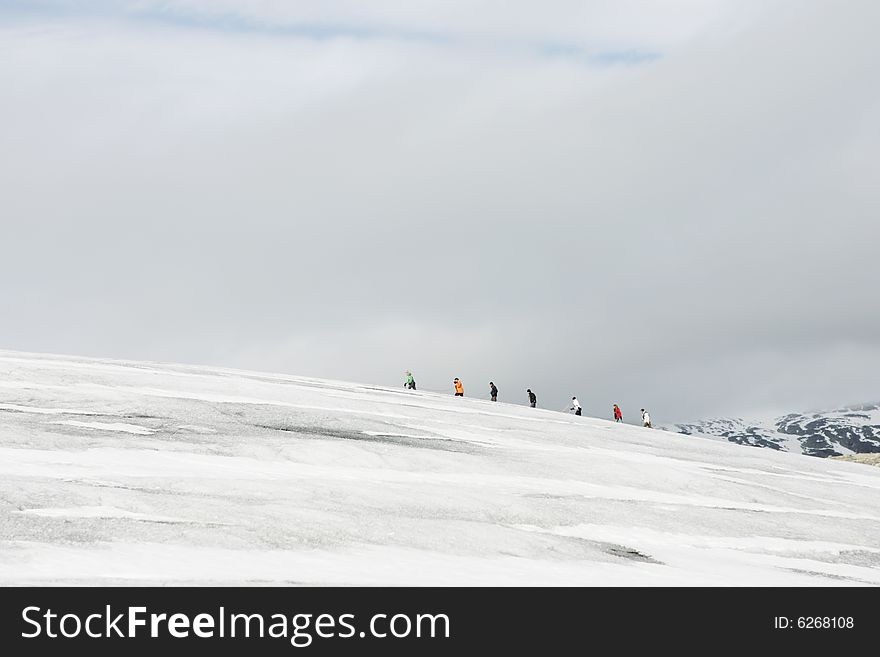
(849, 430)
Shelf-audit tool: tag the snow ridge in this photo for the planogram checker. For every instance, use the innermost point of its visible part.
(197, 475)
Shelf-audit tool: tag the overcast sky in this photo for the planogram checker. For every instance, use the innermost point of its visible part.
(671, 204)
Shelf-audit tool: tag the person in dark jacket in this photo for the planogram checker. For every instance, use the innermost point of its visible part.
(493, 391)
(532, 398)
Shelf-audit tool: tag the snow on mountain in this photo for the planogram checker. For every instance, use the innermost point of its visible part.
(143, 473)
(849, 430)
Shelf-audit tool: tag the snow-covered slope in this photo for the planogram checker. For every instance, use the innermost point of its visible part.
(849, 430)
(137, 473)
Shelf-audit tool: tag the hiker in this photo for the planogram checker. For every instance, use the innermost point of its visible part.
(575, 406)
(493, 391)
(646, 419)
(459, 389)
(532, 398)
(410, 383)
(618, 415)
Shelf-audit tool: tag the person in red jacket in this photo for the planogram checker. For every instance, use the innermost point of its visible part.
(459, 389)
(618, 416)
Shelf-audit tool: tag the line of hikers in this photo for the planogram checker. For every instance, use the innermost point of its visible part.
(410, 384)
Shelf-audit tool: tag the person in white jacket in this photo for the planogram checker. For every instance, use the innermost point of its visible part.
(575, 406)
(646, 418)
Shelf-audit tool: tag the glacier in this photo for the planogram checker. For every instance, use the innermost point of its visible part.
(136, 473)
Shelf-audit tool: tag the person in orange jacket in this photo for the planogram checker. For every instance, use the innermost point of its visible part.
(618, 414)
(459, 389)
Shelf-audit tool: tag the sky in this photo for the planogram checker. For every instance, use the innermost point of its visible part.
(665, 204)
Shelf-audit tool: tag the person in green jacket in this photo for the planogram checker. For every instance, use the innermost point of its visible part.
(410, 382)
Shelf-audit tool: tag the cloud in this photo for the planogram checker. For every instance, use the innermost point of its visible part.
(597, 26)
(352, 206)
